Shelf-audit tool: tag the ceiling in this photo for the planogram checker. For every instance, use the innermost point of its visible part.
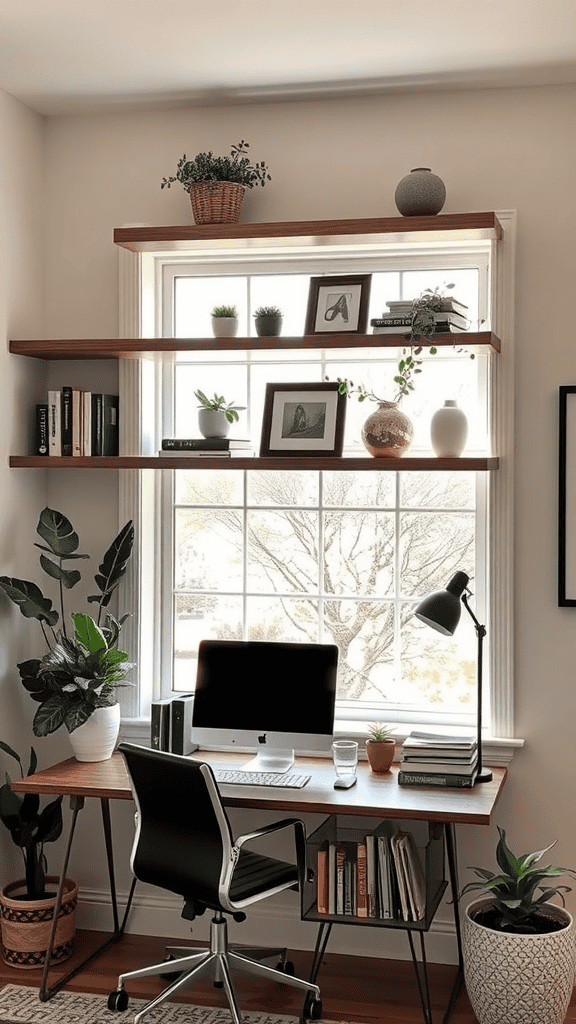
(70, 56)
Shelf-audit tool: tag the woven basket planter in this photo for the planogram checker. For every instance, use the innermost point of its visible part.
(217, 202)
(26, 925)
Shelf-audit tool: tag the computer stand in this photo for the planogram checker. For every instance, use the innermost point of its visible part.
(276, 761)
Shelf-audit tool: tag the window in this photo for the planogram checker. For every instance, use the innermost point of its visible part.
(329, 556)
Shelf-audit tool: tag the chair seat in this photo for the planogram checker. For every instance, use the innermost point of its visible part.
(255, 873)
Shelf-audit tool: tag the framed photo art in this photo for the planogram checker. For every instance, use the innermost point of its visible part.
(303, 419)
(567, 496)
(338, 304)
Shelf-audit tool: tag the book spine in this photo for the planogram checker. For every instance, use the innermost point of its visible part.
(96, 423)
(110, 433)
(435, 779)
(160, 724)
(41, 439)
(183, 444)
(322, 879)
(361, 881)
(181, 724)
(54, 423)
(66, 400)
(87, 423)
(76, 423)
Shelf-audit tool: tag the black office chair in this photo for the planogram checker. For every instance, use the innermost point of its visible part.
(184, 844)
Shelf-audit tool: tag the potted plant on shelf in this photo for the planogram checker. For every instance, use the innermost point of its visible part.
(519, 950)
(388, 432)
(27, 905)
(215, 415)
(217, 184)
(381, 747)
(268, 321)
(75, 682)
(225, 321)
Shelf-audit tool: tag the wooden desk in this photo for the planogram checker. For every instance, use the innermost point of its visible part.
(373, 796)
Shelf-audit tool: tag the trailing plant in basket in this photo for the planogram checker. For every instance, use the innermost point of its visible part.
(205, 167)
(516, 892)
(84, 666)
(29, 826)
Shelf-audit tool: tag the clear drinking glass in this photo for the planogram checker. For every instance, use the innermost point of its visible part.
(345, 756)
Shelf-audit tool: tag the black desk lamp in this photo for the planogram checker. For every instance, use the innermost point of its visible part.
(441, 610)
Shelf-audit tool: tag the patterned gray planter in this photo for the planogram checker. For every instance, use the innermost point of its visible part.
(518, 979)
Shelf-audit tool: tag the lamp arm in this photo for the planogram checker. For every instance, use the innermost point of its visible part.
(480, 630)
(483, 774)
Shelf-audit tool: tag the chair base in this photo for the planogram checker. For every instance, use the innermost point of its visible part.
(220, 960)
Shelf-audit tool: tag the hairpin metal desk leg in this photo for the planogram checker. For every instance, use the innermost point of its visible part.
(453, 870)
(76, 805)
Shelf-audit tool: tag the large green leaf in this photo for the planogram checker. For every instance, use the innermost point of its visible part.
(8, 750)
(50, 822)
(58, 532)
(88, 633)
(113, 566)
(49, 716)
(68, 577)
(29, 599)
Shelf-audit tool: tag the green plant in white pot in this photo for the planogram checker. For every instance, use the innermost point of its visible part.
(225, 321)
(519, 949)
(216, 415)
(75, 683)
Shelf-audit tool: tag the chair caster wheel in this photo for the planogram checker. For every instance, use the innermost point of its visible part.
(170, 975)
(118, 1001)
(313, 1009)
(287, 967)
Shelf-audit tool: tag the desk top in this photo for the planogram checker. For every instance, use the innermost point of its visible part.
(373, 795)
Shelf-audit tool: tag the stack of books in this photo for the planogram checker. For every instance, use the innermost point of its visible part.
(439, 759)
(77, 422)
(205, 447)
(451, 319)
(171, 724)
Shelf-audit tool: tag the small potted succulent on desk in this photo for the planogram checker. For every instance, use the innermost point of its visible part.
(519, 950)
(225, 321)
(216, 415)
(217, 184)
(381, 747)
(27, 905)
(268, 321)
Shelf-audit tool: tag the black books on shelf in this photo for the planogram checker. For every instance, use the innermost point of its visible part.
(81, 423)
(41, 430)
(105, 432)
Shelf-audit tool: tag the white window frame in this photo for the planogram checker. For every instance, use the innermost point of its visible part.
(140, 280)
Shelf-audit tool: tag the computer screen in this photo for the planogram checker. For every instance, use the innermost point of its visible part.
(273, 697)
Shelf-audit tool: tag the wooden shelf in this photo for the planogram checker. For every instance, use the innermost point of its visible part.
(137, 348)
(360, 463)
(401, 229)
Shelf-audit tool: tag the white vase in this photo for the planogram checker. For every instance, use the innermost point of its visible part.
(97, 738)
(212, 423)
(449, 431)
(225, 326)
(518, 979)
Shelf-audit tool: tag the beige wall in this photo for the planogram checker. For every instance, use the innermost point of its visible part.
(495, 149)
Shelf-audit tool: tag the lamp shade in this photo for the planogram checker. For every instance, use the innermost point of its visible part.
(442, 609)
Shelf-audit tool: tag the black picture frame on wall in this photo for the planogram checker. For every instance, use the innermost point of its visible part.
(338, 304)
(303, 419)
(567, 496)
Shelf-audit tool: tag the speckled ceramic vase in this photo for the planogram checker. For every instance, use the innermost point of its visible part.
(420, 193)
(388, 432)
(518, 979)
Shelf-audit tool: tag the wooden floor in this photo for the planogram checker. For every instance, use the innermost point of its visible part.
(354, 989)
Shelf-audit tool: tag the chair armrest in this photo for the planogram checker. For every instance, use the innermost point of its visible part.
(299, 842)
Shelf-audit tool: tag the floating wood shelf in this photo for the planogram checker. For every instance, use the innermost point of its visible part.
(137, 348)
(288, 464)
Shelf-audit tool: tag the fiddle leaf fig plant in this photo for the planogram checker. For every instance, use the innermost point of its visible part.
(83, 665)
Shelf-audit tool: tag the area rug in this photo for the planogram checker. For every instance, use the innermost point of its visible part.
(20, 1005)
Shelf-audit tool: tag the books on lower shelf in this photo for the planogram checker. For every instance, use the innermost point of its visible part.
(82, 423)
(237, 453)
(439, 759)
(406, 305)
(204, 444)
(397, 323)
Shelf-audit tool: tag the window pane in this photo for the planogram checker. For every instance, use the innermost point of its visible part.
(280, 488)
(438, 670)
(228, 381)
(208, 550)
(287, 291)
(358, 553)
(432, 547)
(202, 487)
(199, 618)
(283, 551)
(364, 634)
(195, 297)
(291, 619)
(360, 489)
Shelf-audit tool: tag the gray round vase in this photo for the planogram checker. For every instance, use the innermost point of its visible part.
(420, 193)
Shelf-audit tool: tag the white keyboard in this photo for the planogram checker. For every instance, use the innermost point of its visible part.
(289, 780)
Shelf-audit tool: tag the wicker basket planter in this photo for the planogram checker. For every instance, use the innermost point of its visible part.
(217, 202)
(26, 925)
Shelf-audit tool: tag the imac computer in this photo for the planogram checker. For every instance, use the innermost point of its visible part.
(273, 697)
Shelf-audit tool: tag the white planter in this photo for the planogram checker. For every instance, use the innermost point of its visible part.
(212, 423)
(97, 738)
(449, 431)
(225, 326)
(518, 979)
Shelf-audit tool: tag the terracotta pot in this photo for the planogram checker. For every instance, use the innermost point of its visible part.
(380, 754)
(26, 925)
(388, 432)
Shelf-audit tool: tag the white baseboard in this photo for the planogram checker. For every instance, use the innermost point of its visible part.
(274, 922)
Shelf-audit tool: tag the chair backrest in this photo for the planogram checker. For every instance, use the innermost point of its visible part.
(183, 840)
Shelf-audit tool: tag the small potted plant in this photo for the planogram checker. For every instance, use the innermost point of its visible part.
(225, 321)
(75, 682)
(381, 747)
(217, 184)
(519, 950)
(215, 415)
(268, 321)
(27, 905)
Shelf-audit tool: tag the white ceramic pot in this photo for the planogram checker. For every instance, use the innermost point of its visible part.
(518, 979)
(449, 431)
(225, 326)
(97, 738)
(212, 423)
